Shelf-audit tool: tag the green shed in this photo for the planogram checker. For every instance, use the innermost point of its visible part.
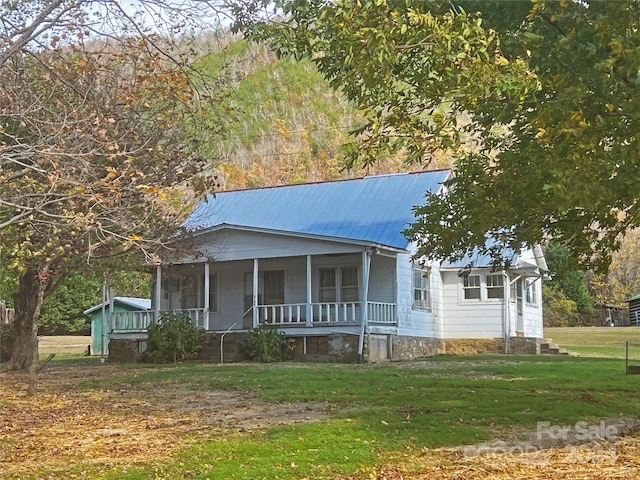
(120, 304)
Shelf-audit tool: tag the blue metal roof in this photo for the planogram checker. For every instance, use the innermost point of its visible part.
(478, 259)
(373, 209)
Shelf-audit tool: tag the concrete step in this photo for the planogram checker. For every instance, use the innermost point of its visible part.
(549, 348)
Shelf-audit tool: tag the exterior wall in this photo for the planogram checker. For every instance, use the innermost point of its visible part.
(412, 322)
(634, 311)
(470, 346)
(238, 245)
(410, 348)
(532, 314)
(97, 331)
(469, 318)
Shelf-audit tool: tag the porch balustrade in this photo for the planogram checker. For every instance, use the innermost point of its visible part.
(289, 314)
(326, 313)
(134, 322)
(125, 322)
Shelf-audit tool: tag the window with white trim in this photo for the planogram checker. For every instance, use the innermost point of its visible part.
(349, 284)
(421, 289)
(530, 291)
(471, 287)
(328, 291)
(339, 284)
(495, 285)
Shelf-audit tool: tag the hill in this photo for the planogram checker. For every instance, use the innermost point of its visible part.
(287, 123)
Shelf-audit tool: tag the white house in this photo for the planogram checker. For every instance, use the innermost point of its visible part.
(328, 265)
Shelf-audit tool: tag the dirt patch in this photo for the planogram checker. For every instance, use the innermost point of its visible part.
(62, 425)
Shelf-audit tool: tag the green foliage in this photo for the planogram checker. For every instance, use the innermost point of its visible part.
(62, 310)
(6, 343)
(568, 278)
(536, 102)
(173, 339)
(286, 123)
(267, 344)
(559, 311)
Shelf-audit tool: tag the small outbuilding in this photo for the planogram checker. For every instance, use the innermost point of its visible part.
(121, 307)
(634, 310)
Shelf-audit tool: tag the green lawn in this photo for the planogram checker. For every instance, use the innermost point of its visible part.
(378, 412)
(597, 341)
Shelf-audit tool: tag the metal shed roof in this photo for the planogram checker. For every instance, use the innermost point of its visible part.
(373, 209)
(134, 303)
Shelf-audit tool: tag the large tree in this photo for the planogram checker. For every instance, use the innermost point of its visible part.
(536, 102)
(98, 132)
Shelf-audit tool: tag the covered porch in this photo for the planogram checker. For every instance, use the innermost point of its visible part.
(304, 294)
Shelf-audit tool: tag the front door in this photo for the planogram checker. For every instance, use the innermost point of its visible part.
(273, 294)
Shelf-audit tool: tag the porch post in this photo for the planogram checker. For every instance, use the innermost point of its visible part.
(366, 264)
(255, 292)
(206, 296)
(309, 294)
(158, 293)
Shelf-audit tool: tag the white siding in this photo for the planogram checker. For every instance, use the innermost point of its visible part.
(532, 314)
(466, 318)
(415, 323)
(238, 245)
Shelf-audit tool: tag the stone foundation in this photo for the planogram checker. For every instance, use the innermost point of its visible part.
(343, 348)
(126, 350)
(333, 348)
(406, 348)
(466, 346)
(525, 345)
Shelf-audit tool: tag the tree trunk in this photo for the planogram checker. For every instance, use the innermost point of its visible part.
(24, 329)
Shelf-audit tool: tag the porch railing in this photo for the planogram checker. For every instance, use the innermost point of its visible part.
(133, 322)
(326, 313)
(289, 314)
(122, 322)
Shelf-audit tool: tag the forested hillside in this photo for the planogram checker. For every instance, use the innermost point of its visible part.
(287, 123)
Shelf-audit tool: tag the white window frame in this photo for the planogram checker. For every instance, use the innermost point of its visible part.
(467, 287)
(338, 287)
(345, 288)
(421, 287)
(492, 288)
(530, 291)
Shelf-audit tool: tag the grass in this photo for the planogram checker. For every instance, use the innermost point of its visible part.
(377, 412)
(63, 345)
(597, 341)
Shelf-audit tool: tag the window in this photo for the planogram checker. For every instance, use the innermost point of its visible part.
(349, 284)
(189, 295)
(213, 292)
(421, 289)
(471, 287)
(339, 285)
(328, 285)
(495, 285)
(531, 294)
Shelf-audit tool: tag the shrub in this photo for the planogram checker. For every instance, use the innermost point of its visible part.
(558, 310)
(173, 339)
(267, 344)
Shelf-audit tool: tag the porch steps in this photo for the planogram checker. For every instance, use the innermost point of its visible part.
(547, 347)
